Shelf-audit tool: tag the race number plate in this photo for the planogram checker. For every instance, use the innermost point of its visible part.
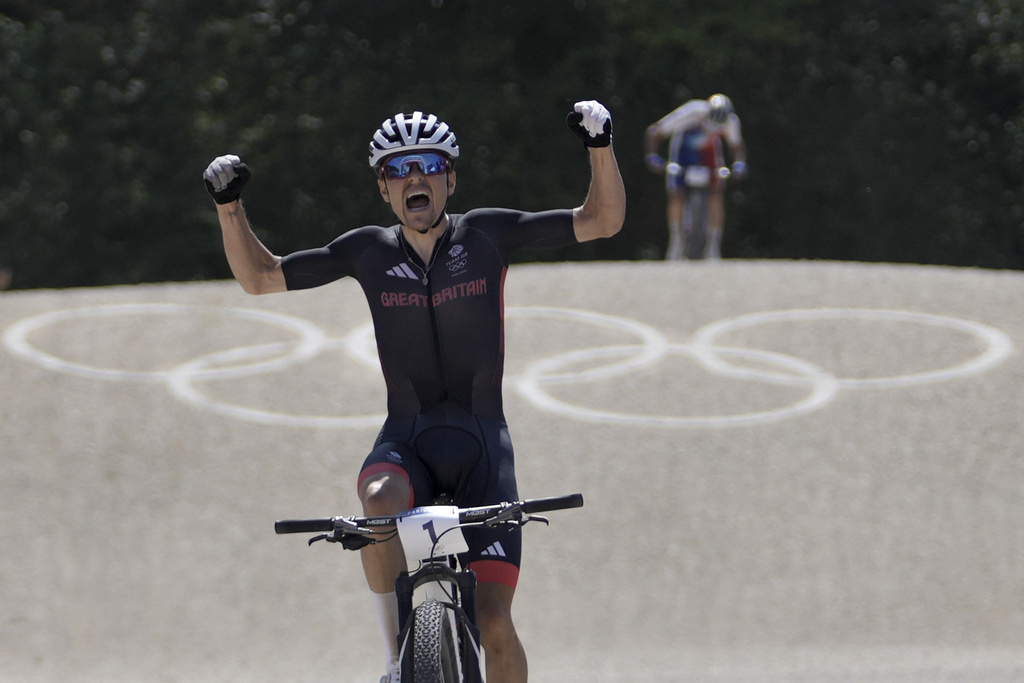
(431, 532)
(698, 176)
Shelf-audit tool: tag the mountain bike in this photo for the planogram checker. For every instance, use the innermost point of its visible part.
(697, 180)
(439, 641)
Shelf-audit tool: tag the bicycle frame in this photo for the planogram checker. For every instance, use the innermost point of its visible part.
(423, 532)
(436, 589)
(697, 181)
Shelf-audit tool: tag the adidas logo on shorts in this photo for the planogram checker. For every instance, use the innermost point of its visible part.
(494, 550)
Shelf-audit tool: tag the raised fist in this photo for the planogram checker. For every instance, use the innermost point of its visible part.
(592, 123)
(225, 177)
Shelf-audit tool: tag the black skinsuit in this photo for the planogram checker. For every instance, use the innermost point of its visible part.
(440, 336)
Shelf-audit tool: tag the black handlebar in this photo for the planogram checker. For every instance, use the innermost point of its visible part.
(303, 526)
(477, 514)
(574, 500)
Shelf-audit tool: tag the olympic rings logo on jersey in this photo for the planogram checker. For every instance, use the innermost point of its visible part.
(459, 259)
(567, 383)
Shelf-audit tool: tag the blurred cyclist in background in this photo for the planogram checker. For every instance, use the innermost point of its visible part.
(696, 130)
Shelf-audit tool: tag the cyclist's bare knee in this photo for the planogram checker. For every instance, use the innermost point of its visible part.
(494, 616)
(385, 494)
(506, 660)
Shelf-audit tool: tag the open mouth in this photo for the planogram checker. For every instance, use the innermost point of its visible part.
(417, 200)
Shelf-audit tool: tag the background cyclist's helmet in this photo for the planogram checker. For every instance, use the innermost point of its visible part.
(721, 108)
(411, 132)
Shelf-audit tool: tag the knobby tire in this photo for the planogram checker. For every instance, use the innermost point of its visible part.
(434, 647)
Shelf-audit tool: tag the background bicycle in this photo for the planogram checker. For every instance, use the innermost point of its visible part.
(691, 238)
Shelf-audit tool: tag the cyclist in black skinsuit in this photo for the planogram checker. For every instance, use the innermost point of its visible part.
(434, 284)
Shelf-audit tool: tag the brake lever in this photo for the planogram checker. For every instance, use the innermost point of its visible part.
(513, 516)
(348, 534)
(537, 518)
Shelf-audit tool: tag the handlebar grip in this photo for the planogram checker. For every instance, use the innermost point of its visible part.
(302, 526)
(573, 500)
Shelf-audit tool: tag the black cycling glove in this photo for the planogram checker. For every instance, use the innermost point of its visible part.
(225, 177)
(592, 123)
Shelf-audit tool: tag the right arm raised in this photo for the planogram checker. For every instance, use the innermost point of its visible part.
(253, 265)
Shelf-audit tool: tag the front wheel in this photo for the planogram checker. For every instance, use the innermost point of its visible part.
(434, 658)
(696, 238)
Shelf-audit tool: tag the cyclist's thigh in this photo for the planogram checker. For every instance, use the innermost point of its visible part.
(494, 554)
(471, 458)
(674, 185)
(679, 157)
(400, 459)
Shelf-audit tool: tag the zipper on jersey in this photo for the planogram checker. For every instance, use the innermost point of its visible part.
(414, 259)
(425, 279)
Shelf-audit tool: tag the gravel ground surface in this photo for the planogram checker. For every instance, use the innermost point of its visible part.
(793, 471)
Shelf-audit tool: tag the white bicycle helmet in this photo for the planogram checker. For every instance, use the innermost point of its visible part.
(411, 132)
(721, 108)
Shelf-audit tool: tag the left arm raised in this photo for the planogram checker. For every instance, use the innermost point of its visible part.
(604, 209)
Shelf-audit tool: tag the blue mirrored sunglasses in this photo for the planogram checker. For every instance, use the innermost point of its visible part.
(400, 166)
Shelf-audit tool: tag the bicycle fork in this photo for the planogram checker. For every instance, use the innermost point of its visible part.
(457, 591)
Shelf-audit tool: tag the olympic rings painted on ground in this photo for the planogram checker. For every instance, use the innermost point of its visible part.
(311, 341)
(536, 381)
(654, 347)
(998, 344)
(823, 388)
(180, 382)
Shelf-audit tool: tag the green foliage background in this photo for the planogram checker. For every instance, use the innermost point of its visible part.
(876, 131)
